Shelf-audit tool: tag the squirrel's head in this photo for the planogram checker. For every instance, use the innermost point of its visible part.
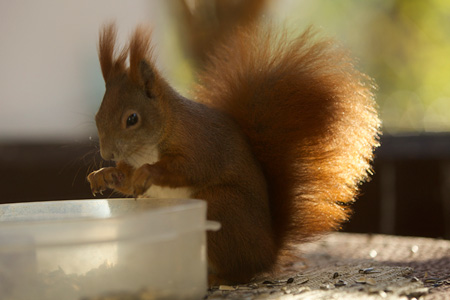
(129, 120)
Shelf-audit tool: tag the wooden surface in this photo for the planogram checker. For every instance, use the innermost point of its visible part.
(357, 266)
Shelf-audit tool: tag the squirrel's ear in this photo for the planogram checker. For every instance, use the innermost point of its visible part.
(148, 77)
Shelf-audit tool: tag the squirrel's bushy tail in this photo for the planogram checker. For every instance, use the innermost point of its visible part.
(310, 118)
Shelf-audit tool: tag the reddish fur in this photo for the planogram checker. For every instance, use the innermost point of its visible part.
(309, 116)
(307, 126)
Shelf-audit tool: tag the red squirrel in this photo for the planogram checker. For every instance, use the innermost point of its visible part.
(279, 137)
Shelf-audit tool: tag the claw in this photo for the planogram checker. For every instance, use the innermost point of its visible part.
(138, 192)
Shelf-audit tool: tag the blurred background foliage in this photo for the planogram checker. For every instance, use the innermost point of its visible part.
(403, 44)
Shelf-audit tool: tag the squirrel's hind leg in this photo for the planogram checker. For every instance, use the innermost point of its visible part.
(244, 246)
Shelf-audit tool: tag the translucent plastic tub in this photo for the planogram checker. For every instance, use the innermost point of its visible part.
(95, 249)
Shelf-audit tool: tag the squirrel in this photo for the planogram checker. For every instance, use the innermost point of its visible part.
(277, 139)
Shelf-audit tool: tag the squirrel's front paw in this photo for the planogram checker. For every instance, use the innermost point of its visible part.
(142, 180)
(105, 178)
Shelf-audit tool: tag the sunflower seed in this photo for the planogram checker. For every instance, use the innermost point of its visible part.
(340, 282)
(366, 271)
(226, 288)
(362, 280)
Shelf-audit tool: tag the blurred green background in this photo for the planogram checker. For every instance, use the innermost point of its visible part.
(49, 71)
(403, 44)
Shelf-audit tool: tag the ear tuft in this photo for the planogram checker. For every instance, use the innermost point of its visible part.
(110, 62)
(140, 51)
(141, 65)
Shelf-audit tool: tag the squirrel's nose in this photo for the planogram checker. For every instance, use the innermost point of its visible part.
(107, 155)
(106, 147)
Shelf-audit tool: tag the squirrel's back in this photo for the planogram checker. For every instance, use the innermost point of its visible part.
(309, 116)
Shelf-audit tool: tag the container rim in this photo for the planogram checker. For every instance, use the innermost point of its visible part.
(185, 204)
(20, 232)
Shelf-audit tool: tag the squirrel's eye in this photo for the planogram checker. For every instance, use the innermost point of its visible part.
(132, 120)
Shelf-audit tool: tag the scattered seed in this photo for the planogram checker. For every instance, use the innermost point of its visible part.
(371, 281)
(362, 280)
(244, 288)
(383, 294)
(431, 280)
(267, 282)
(340, 282)
(414, 249)
(226, 288)
(373, 253)
(417, 294)
(290, 280)
(366, 271)
(335, 275)
(438, 283)
(415, 279)
(326, 287)
(302, 280)
(295, 290)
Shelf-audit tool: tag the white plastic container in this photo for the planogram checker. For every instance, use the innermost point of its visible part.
(93, 249)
